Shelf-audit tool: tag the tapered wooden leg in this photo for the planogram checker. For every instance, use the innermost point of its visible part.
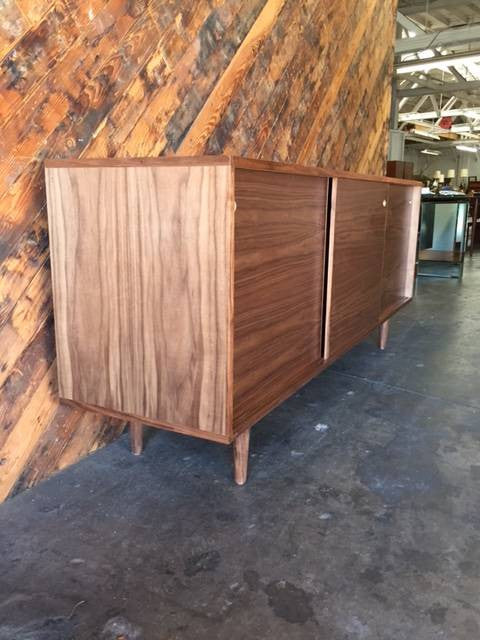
(240, 456)
(136, 437)
(383, 334)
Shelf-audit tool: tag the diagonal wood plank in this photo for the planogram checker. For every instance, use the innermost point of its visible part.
(13, 24)
(143, 120)
(211, 112)
(24, 438)
(27, 317)
(340, 72)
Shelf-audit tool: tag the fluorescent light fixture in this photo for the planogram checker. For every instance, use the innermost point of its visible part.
(424, 55)
(425, 134)
(431, 152)
(425, 65)
(463, 147)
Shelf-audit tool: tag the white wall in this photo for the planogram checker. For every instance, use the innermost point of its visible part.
(450, 159)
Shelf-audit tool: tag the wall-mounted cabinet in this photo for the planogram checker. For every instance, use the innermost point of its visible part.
(195, 294)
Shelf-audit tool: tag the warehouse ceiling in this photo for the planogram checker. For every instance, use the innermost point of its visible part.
(437, 63)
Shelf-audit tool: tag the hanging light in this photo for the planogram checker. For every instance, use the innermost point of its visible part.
(431, 152)
(463, 147)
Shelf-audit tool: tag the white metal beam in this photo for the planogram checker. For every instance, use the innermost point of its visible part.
(448, 106)
(420, 6)
(457, 74)
(420, 103)
(432, 115)
(446, 87)
(436, 62)
(409, 25)
(435, 144)
(454, 35)
(433, 100)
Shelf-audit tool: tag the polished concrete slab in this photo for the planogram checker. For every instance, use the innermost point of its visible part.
(360, 519)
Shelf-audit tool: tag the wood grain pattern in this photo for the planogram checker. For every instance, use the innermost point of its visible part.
(141, 275)
(240, 456)
(130, 78)
(411, 259)
(342, 67)
(237, 162)
(211, 112)
(356, 284)
(400, 247)
(383, 334)
(190, 294)
(68, 436)
(136, 437)
(279, 251)
(440, 256)
(17, 448)
(111, 413)
(24, 321)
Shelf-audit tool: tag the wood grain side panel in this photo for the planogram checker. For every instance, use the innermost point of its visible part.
(279, 255)
(356, 286)
(401, 232)
(111, 413)
(411, 258)
(141, 275)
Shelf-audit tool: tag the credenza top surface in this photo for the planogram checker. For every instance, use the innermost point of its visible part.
(235, 161)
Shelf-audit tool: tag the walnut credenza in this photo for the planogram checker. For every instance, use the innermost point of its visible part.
(196, 294)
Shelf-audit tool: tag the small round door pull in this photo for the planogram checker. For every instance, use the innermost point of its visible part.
(384, 203)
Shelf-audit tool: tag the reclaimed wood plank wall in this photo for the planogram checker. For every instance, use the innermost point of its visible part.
(305, 82)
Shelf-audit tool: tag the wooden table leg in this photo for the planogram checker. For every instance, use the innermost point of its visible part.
(136, 437)
(383, 334)
(240, 456)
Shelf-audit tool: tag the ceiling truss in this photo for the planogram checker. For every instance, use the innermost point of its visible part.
(438, 68)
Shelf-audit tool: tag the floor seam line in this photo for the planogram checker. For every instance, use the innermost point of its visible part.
(396, 387)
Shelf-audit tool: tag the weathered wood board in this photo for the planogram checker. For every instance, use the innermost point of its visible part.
(304, 82)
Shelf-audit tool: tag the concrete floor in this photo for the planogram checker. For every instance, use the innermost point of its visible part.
(360, 519)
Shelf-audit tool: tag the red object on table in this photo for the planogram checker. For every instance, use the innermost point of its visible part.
(446, 122)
